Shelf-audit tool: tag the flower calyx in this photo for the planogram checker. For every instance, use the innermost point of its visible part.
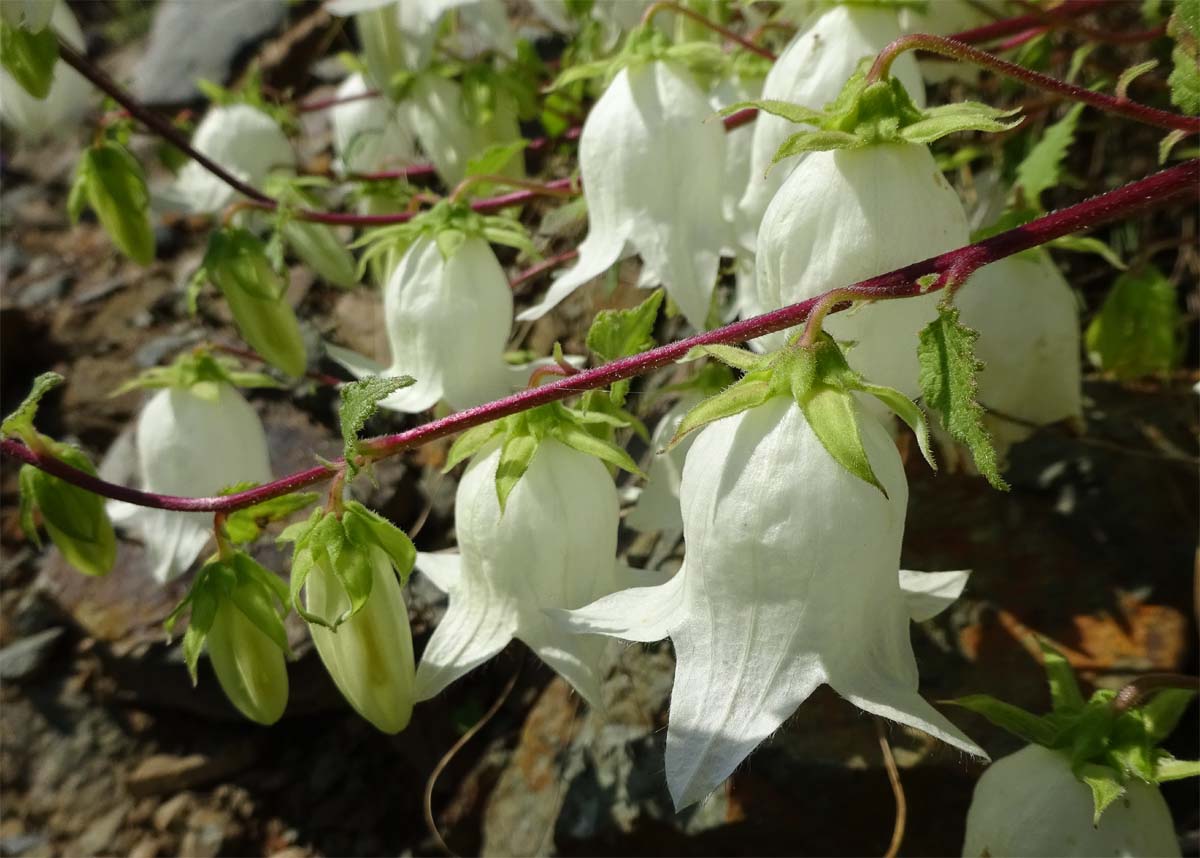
(199, 371)
(646, 44)
(1107, 746)
(821, 383)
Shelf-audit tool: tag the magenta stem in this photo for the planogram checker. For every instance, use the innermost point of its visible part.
(542, 267)
(960, 51)
(334, 101)
(1021, 23)
(1176, 183)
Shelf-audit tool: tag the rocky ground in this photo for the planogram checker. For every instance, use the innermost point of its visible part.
(105, 748)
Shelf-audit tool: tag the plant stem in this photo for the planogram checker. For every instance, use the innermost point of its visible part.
(1142, 687)
(1173, 184)
(663, 5)
(542, 189)
(542, 267)
(415, 170)
(334, 101)
(966, 53)
(1021, 23)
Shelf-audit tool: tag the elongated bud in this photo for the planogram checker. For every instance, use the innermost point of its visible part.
(237, 264)
(321, 250)
(73, 517)
(111, 182)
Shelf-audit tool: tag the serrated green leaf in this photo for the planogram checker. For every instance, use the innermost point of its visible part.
(1041, 169)
(1105, 785)
(1025, 725)
(579, 439)
(909, 412)
(1167, 768)
(515, 457)
(359, 401)
(1136, 332)
(833, 416)
(946, 351)
(116, 190)
(1184, 80)
(20, 421)
(367, 527)
(29, 57)
(750, 391)
(1065, 695)
(620, 333)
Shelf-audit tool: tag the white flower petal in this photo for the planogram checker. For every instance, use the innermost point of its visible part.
(444, 570)
(434, 110)
(600, 251)
(70, 93)
(657, 506)
(643, 614)
(927, 594)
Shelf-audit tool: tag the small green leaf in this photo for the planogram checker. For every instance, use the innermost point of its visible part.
(1184, 80)
(469, 443)
(1065, 695)
(1041, 169)
(20, 422)
(584, 71)
(585, 442)
(115, 187)
(494, 159)
(1025, 725)
(750, 391)
(620, 333)
(1088, 244)
(203, 600)
(1131, 74)
(833, 416)
(359, 401)
(515, 457)
(245, 525)
(1136, 332)
(29, 57)
(804, 142)
(946, 351)
(1105, 785)
(1167, 768)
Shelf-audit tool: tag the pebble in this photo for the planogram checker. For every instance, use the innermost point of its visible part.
(21, 659)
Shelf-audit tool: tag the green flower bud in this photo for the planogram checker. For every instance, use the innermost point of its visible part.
(321, 251)
(249, 665)
(111, 181)
(237, 264)
(73, 517)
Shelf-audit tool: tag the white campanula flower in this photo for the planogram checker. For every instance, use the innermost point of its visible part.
(369, 134)
(738, 148)
(657, 506)
(242, 139)
(32, 15)
(1031, 803)
(652, 170)
(554, 546)
(848, 214)
(789, 582)
(190, 441)
(448, 321)
(1028, 323)
(811, 72)
(70, 93)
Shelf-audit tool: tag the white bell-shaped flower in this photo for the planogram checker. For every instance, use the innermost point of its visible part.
(726, 92)
(434, 110)
(844, 216)
(369, 134)
(1028, 323)
(32, 15)
(1030, 803)
(789, 581)
(554, 546)
(811, 72)
(652, 170)
(448, 322)
(242, 139)
(657, 505)
(190, 441)
(70, 93)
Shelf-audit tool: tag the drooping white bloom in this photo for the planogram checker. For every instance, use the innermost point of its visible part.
(789, 581)
(811, 72)
(70, 93)
(553, 547)
(845, 215)
(738, 149)
(1028, 323)
(652, 170)
(448, 322)
(32, 15)
(434, 110)
(657, 506)
(1030, 803)
(190, 441)
(369, 134)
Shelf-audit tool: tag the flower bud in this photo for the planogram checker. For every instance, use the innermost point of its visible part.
(73, 517)
(248, 664)
(111, 181)
(1031, 803)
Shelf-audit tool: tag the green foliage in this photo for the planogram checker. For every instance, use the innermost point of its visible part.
(1184, 81)
(1136, 332)
(948, 382)
(74, 518)
(616, 334)
(1041, 169)
(245, 525)
(20, 422)
(359, 401)
(110, 180)
(29, 57)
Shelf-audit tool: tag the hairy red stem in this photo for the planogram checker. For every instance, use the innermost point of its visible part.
(542, 267)
(1176, 183)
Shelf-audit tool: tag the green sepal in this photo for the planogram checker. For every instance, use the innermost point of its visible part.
(366, 528)
(29, 57)
(1065, 696)
(740, 359)
(833, 415)
(746, 393)
(254, 593)
(469, 443)
(946, 351)
(580, 439)
(199, 371)
(237, 264)
(20, 421)
(796, 113)
(946, 119)
(202, 597)
(1162, 712)
(1167, 768)
(516, 455)
(909, 412)
(1025, 725)
(245, 525)
(616, 334)
(1105, 785)
(359, 400)
(113, 184)
(74, 518)
(803, 142)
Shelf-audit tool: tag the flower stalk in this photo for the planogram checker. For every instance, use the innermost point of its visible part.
(678, 8)
(1174, 184)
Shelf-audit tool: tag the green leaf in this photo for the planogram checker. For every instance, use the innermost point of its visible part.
(469, 443)
(946, 351)
(1065, 696)
(909, 412)
(938, 122)
(1131, 74)
(1136, 332)
(1105, 785)
(359, 401)
(20, 421)
(783, 109)
(1042, 167)
(1013, 719)
(620, 333)
(833, 416)
(515, 457)
(1167, 768)
(203, 600)
(29, 57)
(750, 391)
(494, 159)
(367, 527)
(1184, 80)
(579, 439)
(1161, 713)
(245, 525)
(584, 71)
(1088, 244)
(116, 190)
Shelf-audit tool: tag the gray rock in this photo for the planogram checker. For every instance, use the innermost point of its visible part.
(21, 659)
(97, 836)
(199, 40)
(42, 292)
